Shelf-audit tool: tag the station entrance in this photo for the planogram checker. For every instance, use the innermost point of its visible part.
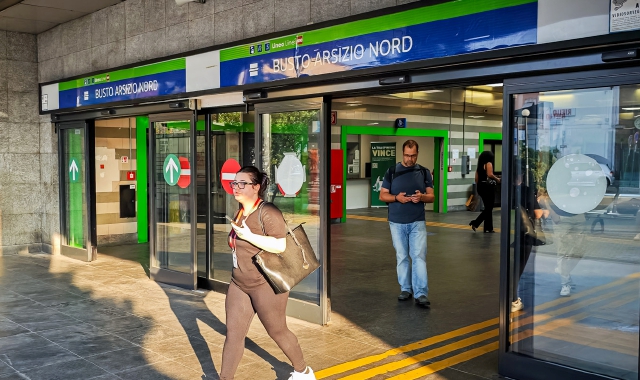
(179, 162)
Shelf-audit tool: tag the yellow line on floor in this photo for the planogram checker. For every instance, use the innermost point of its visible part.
(609, 285)
(340, 368)
(523, 320)
(446, 363)
(394, 366)
(430, 224)
(551, 317)
(474, 353)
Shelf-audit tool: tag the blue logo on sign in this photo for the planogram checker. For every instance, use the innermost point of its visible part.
(252, 49)
(267, 46)
(260, 48)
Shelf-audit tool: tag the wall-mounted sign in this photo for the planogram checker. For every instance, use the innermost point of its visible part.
(383, 156)
(158, 79)
(442, 30)
(479, 25)
(124, 159)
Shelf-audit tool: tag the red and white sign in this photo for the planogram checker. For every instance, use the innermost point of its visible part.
(124, 159)
(131, 176)
(334, 117)
(228, 174)
(299, 40)
(185, 173)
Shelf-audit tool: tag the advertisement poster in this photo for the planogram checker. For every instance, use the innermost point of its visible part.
(624, 15)
(383, 156)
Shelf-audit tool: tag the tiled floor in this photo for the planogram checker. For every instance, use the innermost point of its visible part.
(63, 319)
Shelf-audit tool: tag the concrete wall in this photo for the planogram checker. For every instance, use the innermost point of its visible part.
(28, 152)
(138, 30)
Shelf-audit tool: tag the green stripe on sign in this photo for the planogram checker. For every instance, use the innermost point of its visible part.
(134, 72)
(411, 17)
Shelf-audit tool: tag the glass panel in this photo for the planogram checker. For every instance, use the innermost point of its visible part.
(291, 158)
(202, 194)
(232, 138)
(75, 187)
(576, 194)
(498, 157)
(173, 199)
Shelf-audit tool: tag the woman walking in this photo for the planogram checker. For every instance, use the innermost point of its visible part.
(486, 181)
(249, 293)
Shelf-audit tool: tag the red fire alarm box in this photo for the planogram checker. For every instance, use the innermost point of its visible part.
(336, 195)
(131, 176)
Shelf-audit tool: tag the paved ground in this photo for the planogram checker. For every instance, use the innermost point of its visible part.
(63, 319)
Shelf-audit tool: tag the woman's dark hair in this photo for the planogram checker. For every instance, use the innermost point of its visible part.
(485, 158)
(257, 178)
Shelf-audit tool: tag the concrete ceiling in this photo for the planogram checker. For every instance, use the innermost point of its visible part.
(36, 16)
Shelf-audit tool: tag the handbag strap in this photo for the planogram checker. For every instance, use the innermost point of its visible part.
(305, 263)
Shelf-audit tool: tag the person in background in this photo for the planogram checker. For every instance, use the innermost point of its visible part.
(406, 187)
(249, 292)
(486, 181)
(532, 211)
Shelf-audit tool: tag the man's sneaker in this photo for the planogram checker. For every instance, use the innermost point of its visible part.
(306, 375)
(422, 301)
(517, 305)
(566, 290)
(404, 296)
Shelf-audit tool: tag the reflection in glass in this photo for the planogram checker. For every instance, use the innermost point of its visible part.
(75, 189)
(290, 157)
(173, 198)
(575, 270)
(201, 197)
(232, 138)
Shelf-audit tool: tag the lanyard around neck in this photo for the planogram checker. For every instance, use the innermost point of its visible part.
(232, 235)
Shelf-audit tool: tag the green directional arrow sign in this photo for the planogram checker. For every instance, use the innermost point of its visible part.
(171, 169)
(74, 170)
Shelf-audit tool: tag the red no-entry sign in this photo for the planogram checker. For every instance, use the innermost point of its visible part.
(185, 173)
(228, 174)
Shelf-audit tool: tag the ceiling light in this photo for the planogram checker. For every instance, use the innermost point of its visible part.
(495, 85)
(631, 108)
(432, 91)
(475, 116)
(373, 124)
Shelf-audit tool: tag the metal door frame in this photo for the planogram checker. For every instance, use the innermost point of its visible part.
(320, 314)
(511, 364)
(185, 280)
(90, 253)
(209, 282)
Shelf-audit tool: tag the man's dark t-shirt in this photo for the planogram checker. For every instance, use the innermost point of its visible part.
(408, 183)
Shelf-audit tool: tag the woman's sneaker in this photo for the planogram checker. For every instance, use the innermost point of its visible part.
(306, 375)
(566, 290)
(517, 305)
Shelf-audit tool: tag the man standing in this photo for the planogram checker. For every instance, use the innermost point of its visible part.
(406, 187)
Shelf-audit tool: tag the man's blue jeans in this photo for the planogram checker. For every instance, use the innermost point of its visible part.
(410, 241)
